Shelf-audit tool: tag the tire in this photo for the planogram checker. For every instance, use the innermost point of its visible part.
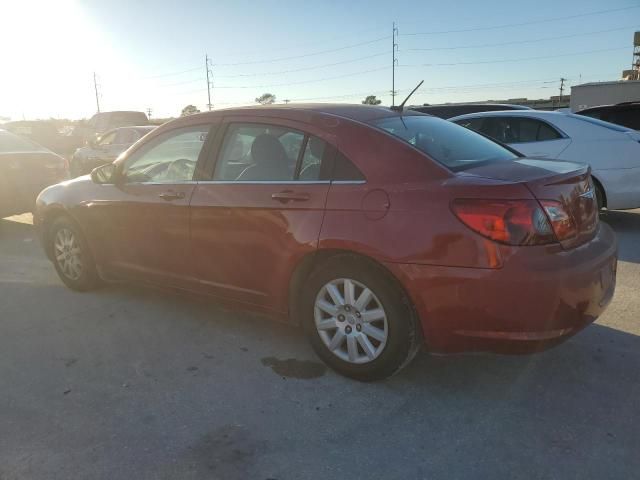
(599, 197)
(389, 346)
(71, 256)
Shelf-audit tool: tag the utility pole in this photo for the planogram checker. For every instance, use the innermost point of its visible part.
(562, 80)
(95, 87)
(209, 82)
(394, 38)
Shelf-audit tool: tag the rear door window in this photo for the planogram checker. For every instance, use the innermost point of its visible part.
(518, 130)
(259, 152)
(272, 153)
(310, 167)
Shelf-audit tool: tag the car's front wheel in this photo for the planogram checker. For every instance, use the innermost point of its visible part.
(358, 319)
(71, 256)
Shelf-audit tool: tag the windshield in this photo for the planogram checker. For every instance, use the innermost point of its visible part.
(454, 146)
(602, 123)
(13, 143)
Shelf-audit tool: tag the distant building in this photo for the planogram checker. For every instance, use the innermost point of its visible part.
(604, 93)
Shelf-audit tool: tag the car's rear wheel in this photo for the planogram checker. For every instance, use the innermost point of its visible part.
(71, 256)
(358, 319)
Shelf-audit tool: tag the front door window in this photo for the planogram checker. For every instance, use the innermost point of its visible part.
(170, 158)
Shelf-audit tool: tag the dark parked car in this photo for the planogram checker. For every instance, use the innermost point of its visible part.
(105, 121)
(625, 114)
(25, 169)
(106, 148)
(377, 231)
(449, 111)
(45, 133)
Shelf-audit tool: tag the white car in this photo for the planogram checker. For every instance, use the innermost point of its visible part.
(612, 151)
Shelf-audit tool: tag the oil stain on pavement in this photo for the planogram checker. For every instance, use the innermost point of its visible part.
(292, 368)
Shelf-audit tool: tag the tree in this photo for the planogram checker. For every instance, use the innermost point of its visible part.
(189, 110)
(371, 100)
(266, 99)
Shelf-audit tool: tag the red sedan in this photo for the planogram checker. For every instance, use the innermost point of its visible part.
(378, 231)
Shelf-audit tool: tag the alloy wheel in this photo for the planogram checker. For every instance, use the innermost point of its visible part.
(351, 321)
(68, 254)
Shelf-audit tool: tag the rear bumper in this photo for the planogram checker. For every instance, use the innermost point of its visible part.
(540, 297)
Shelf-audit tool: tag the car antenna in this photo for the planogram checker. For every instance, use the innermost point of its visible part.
(400, 107)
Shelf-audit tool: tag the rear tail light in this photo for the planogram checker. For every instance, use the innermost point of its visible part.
(515, 222)
(563, 225)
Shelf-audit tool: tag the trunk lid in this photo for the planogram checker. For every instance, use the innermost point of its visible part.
(565, 182)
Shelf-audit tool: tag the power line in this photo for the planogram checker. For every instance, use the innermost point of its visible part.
(316, 80)
(521, 59)
(448, 88)
(315, 67)
(199, 79)
(533, 22)
(293, 57)
(298, 45)
(170, 74)
(517, 42)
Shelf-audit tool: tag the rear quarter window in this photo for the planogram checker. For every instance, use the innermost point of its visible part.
(450, 144)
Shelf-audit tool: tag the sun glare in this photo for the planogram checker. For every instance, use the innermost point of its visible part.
(47, 42)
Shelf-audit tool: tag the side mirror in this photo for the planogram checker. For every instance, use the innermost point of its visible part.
(104, 175)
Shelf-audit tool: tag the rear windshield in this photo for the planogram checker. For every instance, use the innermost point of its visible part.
(602, 123)
(13, 143)
(454, 146)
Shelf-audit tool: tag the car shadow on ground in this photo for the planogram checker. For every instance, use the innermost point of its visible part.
(626, 224)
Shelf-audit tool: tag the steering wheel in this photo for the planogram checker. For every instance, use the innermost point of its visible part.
(180, 169)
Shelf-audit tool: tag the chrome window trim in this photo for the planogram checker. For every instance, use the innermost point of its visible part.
(265, 182)
(349, 182)
(255, 182)
(185, 182)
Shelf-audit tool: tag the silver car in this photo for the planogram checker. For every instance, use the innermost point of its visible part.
(105, 148)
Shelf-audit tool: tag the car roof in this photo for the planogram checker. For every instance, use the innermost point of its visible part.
(512, 113)
(360, 113)
(111, 112)
(137, 127)
(615, 106)
(484, 104)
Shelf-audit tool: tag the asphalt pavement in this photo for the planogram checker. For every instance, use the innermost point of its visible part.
(134, 383)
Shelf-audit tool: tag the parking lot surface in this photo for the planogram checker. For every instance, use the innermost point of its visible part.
(133, 383)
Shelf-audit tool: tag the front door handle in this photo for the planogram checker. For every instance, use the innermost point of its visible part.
(288, 195)
(171, 195)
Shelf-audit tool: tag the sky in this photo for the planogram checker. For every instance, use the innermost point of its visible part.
(151, 54)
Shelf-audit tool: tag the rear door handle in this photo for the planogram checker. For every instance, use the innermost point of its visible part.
(171, 195)
(288, 195)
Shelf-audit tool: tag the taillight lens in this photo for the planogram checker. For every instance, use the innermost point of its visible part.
(513, 222)
(563, 225)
